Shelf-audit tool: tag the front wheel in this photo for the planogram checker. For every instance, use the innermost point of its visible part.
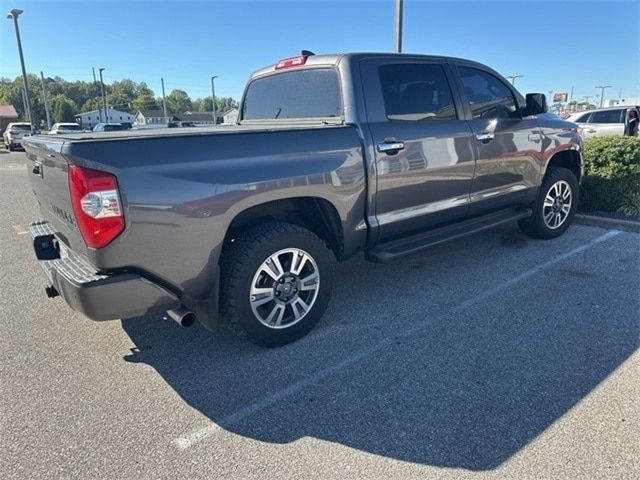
(276, 280)
(555, 206)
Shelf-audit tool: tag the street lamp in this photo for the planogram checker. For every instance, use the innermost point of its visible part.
(213, 100)
(104, 99)
(513, 78)
(399, 12)
(13, 15)
(602, 89)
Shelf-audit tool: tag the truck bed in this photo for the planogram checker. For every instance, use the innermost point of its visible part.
(187, 131)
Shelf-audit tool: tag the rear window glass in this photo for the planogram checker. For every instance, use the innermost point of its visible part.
(416, 92)
(111, 128)
(310, 93)
(21, 127)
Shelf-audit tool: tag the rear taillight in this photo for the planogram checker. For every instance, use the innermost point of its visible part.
(96, 204)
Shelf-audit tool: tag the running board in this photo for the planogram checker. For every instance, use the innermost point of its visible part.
(398, 248)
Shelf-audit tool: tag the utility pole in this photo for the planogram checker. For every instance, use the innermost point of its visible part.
(164, 102)
(213, 101)
(587, 98)
(94, 74)
(24, 105)
(13, 15)
(513, 78)
(602, 89)
(104, 98)
(46, 101)
(399, 8)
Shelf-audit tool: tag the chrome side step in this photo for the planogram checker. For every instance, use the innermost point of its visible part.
(399, 248)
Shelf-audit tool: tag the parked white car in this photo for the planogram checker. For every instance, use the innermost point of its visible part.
(63, 127)
(14, 133)
(603, 121)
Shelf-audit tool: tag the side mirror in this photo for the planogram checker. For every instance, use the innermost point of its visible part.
(536, 104)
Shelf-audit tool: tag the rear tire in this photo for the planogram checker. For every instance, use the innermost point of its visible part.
(276, 281)
(555, 207)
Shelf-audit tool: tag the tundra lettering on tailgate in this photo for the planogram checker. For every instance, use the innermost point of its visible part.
(63, 215)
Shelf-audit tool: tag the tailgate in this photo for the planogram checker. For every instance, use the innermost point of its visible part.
(47, 170)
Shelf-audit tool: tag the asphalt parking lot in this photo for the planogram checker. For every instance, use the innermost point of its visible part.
(495, 356)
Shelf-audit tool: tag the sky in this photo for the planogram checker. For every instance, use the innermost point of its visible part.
(556, 45)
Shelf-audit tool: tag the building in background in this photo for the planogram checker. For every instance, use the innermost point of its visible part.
(8, 114)
(198, 119)
(230, 117)
(622, 102)
(92, 118)
(152, 117)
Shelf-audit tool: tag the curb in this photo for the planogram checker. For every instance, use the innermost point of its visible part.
(604, 222)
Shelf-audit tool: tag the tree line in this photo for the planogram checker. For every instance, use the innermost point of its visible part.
(67, 99)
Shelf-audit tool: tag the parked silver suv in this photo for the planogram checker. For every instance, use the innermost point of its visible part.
(603, 121)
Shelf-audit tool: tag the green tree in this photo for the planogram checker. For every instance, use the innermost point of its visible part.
(178, 101)
(145, 102)
(63, 109)
(83, 96)
(223, 104)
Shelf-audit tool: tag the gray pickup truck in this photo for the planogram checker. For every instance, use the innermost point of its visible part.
(385, 154)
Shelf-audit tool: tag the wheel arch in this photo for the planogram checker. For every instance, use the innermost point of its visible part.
(569, 159)
(316, 214)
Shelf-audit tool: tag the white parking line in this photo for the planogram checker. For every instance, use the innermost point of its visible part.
(20, 229)
(196, 436)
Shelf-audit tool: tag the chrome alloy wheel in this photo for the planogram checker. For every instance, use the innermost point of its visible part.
(284, 288)
(557, 204)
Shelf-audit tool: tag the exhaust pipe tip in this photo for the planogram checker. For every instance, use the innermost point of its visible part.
(182, 316)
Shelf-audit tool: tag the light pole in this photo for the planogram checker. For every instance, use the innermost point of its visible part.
(164, 103)
(104, 98)
(513, 78)
(213, 100)
(46, 101)
(399, 8)
(602, 89)
(13, 15)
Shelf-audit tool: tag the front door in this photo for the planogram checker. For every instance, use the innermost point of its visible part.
(508, 145)
(423, 151)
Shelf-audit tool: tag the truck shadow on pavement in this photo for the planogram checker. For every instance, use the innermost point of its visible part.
(468, 391)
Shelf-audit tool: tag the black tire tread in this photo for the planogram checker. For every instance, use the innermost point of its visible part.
(534, 226)
(236, 257)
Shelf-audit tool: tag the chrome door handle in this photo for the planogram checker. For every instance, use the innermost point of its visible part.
(390, 147)
(484, 137)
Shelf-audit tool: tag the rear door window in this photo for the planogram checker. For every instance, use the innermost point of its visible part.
(310, 93)
(417, 92)
(488, 96)
(607, 116)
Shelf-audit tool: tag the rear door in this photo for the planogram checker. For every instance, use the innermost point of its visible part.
(507, 145)
(604, 123)
(423, 150)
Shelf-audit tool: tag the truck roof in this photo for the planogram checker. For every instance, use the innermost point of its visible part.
(336, 58)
